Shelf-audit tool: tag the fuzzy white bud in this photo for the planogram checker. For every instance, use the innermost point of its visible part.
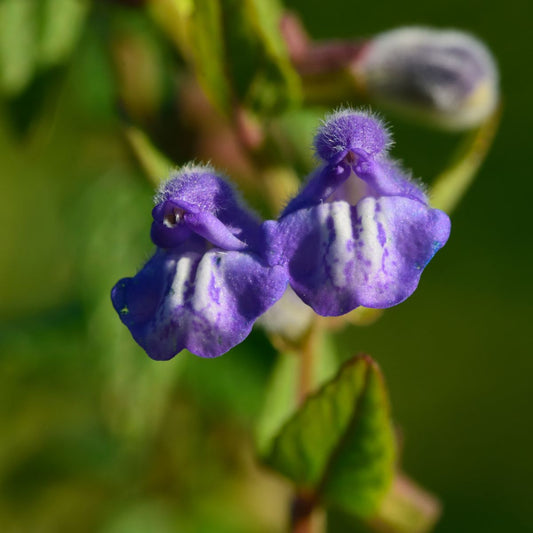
(447, 76)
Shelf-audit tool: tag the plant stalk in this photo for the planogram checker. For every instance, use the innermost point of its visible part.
(304, 505)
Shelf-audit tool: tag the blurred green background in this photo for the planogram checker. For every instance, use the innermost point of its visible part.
(97, 437)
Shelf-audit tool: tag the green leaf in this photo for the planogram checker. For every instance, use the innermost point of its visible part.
(452, 184)
(281, 401)
(235, 49)
(18, 44)
(195, 27)
(262, 75)
(36, 34)
(207, 51)
(340, 443)
(62, 23)
(155, 165)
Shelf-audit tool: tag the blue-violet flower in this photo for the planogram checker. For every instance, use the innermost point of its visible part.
(211, 275)
(360, 232)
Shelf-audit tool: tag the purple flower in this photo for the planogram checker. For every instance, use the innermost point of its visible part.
(360, 232)
(211, 276)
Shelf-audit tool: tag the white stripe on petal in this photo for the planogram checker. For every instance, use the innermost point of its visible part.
(376, 264)
(202, 300)
(372, 250)
(179, 284)
(342, 223)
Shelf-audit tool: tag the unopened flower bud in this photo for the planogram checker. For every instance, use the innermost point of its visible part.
(446, 76)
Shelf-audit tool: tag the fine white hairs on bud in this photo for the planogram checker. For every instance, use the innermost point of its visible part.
(446, 76)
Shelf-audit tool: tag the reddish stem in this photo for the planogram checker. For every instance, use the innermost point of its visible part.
(304, 503)
(302, 509)
(306, 367)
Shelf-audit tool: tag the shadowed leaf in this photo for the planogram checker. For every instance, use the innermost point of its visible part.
(262, 75)
(61, 27)
(18, 44)
(195, 27)
(281, 400)
(340, 444)
(235, 49)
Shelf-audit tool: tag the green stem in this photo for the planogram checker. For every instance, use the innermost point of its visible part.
(306, 355)
(304, 504)
(451, 184)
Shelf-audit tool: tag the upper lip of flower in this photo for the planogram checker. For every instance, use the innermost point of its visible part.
(175, 220)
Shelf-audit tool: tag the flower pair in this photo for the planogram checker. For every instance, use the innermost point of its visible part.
(360, 232)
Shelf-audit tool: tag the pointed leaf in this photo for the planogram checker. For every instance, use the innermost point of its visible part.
(207, 46)
(18, 44)
(62, 23)
(340, 444)
(195, 27)
(281, 400)
(453, 183)
(235, 49)
(362, 466)
(155, 165)
(262, 75)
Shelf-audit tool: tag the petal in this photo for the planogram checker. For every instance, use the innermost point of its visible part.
(346, 130)
(205, 303)
(340, 256)
(213, 230)
(384, 177)
(176, 221)
(203, 191)
(321, 185)
(364, 176)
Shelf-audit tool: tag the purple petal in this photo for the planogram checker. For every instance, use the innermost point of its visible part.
(321, 184)
(206, 303)
(347, 130)
(198, 189)
(363, 176)
(385, 178)
(212, 229)
(372, 254)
